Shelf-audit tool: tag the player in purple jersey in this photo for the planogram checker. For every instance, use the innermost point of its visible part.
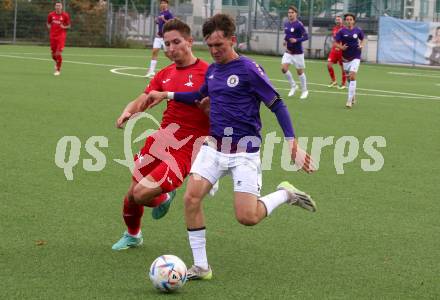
(158, 43)
(294, 55)
(350, 40)
(236, 86)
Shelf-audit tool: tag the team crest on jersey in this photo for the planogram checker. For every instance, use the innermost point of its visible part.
(355, 36)
(232, 81)
(189, 83)
(292, 29)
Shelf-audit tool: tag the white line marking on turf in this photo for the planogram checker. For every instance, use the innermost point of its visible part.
(414, 74)
(358, 94)
(117, 71)
(67, 61)
(395, 94)
(372, 90)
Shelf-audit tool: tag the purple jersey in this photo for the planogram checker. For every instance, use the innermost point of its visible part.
(236, 90)
(351, 38)
(297, 31)
(160, 22)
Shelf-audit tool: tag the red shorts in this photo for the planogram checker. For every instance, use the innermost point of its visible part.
(335, 56)
(57, 44)
(170, 171)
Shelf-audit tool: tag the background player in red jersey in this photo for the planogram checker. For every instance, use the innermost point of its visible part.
(335, 56)
(58, 22)
(170, 149)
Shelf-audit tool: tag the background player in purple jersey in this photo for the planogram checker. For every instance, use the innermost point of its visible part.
(350, 40)
(158, 43)
(295, 34)
(236, 86)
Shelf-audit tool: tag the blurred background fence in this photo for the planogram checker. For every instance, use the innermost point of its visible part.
(125, 23)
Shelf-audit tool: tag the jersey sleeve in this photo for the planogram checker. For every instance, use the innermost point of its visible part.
(169, 16)
(361, 35)
(49, 18)
(67, 20)
(261, 85)
(304, 35)
(338, 36)
(155, 84)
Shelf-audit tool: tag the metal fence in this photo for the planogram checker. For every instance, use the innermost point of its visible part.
(122, 23)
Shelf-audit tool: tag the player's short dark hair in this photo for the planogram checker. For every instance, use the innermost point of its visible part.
(219, 22)
(292, 7)
(166, 1)
(349, 15)
(178, 25)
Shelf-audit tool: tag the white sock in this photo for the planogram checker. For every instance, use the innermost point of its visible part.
(290, 78)
(274, 200)
(138, 235)
(303, 82)
(351, 90)
(197, 241)
(153, 64)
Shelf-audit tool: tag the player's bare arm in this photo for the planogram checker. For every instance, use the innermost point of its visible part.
(65, 26)
(362, 43)
(301, 158)
(341, 46)
(154, 98)
(292, 40)
(135, 106)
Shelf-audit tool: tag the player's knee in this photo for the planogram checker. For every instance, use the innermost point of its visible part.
(191, 201)
(247, 219)
(284, 69)
(141, 195)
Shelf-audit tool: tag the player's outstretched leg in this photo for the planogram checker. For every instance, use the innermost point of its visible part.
(297, 197)
(161, 210)
(197, 273)
(128, 241)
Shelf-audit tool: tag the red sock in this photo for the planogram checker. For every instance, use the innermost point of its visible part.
(332, 73)
(59, 60)
(132, 214)
(344, 76)
(158, 200)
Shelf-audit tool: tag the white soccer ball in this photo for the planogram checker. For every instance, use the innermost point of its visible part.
(168, 273)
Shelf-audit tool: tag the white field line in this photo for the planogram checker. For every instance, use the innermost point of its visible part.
(118, 67)
(372, 90)
(118, 71)
(146, 56)
(415, 74)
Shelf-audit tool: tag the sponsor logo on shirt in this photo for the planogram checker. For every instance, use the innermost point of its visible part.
(232, 81)
(166, 80)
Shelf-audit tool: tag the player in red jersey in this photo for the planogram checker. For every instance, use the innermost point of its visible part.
(335, 57)
(165, 159)
(58, 22)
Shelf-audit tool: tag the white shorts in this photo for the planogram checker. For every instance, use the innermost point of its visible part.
(159, 43)
(294, 59)
(245, 168)
(352, 66)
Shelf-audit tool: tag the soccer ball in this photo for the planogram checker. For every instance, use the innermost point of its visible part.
(168, 273)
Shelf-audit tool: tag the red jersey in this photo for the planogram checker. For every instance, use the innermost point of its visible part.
(55, 20)
(191, 119)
